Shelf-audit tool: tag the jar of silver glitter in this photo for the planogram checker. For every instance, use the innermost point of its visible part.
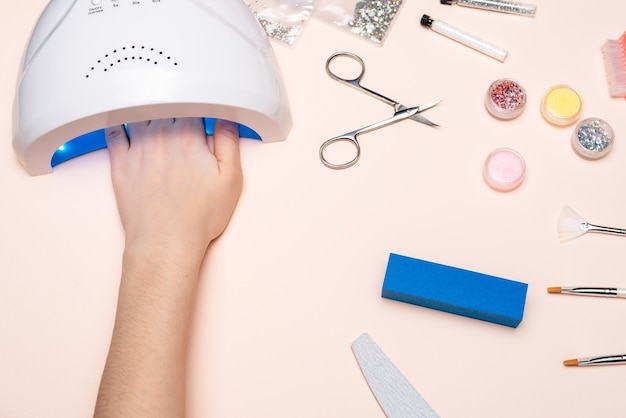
(593, 138)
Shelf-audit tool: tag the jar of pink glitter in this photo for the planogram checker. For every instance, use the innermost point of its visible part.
(505, 98)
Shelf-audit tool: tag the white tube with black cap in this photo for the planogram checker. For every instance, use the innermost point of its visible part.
(465, 38)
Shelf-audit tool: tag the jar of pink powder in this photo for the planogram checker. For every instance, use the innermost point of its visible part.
(504, 169)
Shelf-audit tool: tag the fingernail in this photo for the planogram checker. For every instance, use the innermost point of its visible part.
(113, 132)
(228, 125)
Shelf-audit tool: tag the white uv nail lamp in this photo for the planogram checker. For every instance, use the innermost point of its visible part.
(91, 64)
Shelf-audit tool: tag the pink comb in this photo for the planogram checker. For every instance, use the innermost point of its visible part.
(614, 54)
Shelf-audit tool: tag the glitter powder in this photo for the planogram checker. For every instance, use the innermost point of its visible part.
(505, 98)
(372, 18)
(282, 20)
(504, 170)
(592, 138)
(561, 105)
(497, 6)
(278, 31)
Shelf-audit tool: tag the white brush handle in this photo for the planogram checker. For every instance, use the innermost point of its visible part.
(468, 39)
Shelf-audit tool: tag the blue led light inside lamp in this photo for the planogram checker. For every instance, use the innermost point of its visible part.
(96, 140)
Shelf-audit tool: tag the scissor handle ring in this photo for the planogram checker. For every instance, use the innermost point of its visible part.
(351, 56)
(331, 141)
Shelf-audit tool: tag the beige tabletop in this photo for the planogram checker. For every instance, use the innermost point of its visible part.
(298, 274)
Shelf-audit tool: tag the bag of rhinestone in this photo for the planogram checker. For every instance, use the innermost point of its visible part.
(283, 20)
(370, 19)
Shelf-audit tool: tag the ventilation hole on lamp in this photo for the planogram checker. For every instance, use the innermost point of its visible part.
(121, 55)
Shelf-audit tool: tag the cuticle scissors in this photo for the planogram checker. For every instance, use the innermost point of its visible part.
(401, 112)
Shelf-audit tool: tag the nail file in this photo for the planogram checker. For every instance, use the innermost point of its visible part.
(454, 290)
(394, 393)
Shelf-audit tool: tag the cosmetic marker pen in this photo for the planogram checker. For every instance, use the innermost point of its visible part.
(610, 292)
(464, 38)
(596, 361)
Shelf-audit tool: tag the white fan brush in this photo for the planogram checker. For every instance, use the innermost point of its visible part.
(572, 225)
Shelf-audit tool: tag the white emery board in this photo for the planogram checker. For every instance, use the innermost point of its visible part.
(394, 393)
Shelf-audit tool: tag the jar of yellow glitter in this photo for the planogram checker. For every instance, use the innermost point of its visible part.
(561, 105)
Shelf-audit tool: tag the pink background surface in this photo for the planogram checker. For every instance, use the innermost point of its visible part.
(298, 274)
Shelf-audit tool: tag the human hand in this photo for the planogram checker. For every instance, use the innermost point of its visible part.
(174, 195)
(172, 190)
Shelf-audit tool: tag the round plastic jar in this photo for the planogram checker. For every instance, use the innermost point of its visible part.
(505, 98)
(561, 105)
(592, 138)
(504, 170)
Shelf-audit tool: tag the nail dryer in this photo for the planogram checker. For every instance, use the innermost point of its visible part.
(91, 64)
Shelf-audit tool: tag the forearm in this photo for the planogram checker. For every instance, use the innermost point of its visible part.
(144, 374)
(175, 195)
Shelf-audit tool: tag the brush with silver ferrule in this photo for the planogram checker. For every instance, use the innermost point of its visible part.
(497, 6)
(597, 361)
(611, 292)
(571, 225)
(464, 38)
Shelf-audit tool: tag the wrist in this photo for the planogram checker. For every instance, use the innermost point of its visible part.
(167, 246)
(162, 262)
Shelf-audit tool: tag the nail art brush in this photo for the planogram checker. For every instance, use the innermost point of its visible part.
(571, 225)
(597, 361)
(610, 292)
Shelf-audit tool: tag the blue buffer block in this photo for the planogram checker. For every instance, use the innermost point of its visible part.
(454, 290)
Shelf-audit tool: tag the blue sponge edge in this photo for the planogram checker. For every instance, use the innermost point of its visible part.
(454, 290)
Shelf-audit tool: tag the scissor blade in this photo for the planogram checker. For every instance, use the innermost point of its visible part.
(422, 119)
(419, 118)
(394, 393)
